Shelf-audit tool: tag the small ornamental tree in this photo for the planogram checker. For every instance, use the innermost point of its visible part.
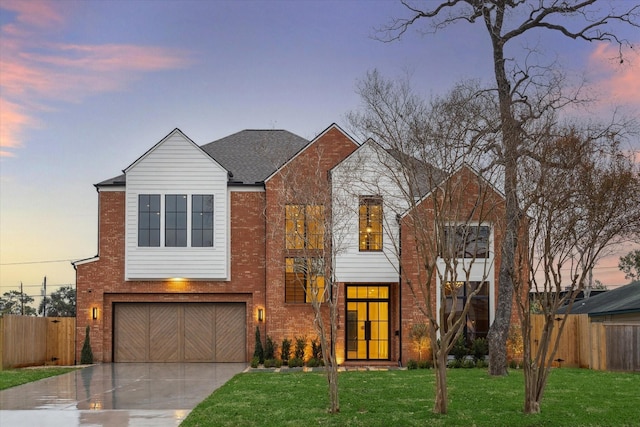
(285, 352)
(259, 351)
(86, 357)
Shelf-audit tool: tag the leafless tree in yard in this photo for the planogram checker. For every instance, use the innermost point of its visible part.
(421, 168)
(520, 75)
(582, 199)
(304, 209)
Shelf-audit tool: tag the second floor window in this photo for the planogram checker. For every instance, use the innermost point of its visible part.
(175, 220)
(304, 226)
(202, 220)
(370, 223)
(467, 241)
(149, 220)
(164, 221)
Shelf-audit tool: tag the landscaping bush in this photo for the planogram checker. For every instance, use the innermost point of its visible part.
(301, 344)
(255, 361)
(460, 349)
(285, 352)
(479, 349)
(316, 349)
(272, 363)
(269, 349)
(86, 357)
(412, 364)
(313, 362)
(259, 351)
(295, 362)
(482, 364)
(425, 364)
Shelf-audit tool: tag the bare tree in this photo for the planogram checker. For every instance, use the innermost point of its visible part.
(584, 198)
(507, 24)
(444, 212)
(304, 209)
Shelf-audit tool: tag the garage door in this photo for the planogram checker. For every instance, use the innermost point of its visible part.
(179, 332)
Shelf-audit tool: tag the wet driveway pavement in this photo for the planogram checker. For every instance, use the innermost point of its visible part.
(110, 395)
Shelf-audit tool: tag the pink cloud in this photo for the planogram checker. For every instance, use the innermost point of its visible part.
(618, 81)
(38, 70)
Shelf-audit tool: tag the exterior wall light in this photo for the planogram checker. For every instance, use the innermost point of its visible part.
(260, 315)
(94, 313)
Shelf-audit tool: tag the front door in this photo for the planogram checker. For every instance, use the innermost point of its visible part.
(368, 322)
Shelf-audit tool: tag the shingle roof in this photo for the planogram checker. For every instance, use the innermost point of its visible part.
(427, 176)
(250, 156)
(625, 299)
(253, 155)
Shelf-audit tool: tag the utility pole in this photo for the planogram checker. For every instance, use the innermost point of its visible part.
(21, 300)
(44, 296)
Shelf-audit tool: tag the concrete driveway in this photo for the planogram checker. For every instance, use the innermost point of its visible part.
(120, 394)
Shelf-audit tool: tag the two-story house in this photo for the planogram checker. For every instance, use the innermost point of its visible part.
(199, 245)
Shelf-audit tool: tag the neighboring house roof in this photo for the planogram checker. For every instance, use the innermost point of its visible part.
(427, 176)
(249, 155)
(625, 299)
(253, 155)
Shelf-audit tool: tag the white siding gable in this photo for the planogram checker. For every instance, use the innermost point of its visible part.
(176, 165)
(363, 173)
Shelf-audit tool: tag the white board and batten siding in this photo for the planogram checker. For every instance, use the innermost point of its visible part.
(362, 174)
(177, 166)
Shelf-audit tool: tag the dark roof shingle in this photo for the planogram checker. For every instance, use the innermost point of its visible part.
(251, 156)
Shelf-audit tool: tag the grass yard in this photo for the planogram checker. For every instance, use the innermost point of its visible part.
(574, 397)
(14, 377)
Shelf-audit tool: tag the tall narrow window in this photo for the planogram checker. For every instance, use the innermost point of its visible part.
(370, 222)
(304, 226)
(202, 220)
(467, 241)
(304, 280)
(175, 221)
(149, 220)
(476, 323)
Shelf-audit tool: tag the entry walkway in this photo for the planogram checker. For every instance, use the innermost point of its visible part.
(114, 395)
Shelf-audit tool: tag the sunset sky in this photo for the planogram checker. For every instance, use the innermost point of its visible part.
(86, 87)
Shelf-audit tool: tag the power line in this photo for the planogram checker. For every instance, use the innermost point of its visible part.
(39, 262)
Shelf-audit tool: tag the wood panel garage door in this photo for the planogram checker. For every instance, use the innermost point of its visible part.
(179, 332)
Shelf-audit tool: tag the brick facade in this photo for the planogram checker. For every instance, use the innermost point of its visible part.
(257, 256)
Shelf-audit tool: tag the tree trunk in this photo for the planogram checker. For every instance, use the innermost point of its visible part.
(440, 406)
(499, 331)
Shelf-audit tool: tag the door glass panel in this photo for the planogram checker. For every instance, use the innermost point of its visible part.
(368, 322)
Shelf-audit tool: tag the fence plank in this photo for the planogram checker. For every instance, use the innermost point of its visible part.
(24, 341)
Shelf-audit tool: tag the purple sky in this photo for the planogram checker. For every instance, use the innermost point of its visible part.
(89, 86)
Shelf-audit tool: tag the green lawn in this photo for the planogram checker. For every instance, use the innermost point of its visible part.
(574, 397)
(14, 377)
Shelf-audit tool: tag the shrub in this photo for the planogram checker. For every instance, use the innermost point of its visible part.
(259, 351)
(513, 364)
(269, 349)
(86, 357)
(455, 364)
(255, 361)
(419, 335)
(468, 363)
(425, 364)
(482, 364)
(459, 349)
(479, 349)
(313, 362)
(295, 362)
(316, 349)
(301, 344)
(412, 364)
(285, 353)
(272, 363)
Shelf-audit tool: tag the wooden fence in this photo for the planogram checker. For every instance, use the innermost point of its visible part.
(613, 346)
(32, 341)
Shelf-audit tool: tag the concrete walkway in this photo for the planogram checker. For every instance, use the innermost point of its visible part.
(110, 395)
